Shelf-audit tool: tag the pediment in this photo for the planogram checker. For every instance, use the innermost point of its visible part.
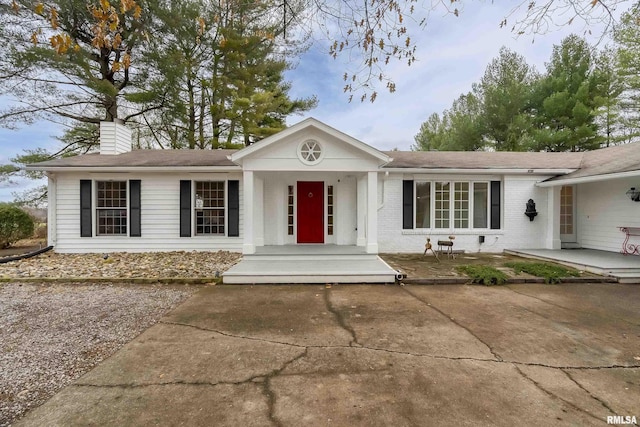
(310, 145)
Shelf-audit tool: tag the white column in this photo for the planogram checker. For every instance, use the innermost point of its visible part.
(372, 212)
(248, 246)
(361, 211)
(553, 218)
(258, 209)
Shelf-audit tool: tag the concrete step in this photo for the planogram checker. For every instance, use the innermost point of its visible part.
(310, 257)
(290, 270)
(626, 276)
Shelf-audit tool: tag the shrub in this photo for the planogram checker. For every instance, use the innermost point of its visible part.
(40, 231)
(550, 272)
(15, 224)
(483, 274)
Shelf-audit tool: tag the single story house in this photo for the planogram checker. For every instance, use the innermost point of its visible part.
(312, 185)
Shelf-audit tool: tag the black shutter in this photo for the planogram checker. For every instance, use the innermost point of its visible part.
(85, 208)
(185, 208)
(134, 208)
(233, 189)
(495, 205)
(407, 204)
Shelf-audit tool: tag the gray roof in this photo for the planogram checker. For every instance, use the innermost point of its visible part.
(620, 158)
(146, 158)
(483, 160)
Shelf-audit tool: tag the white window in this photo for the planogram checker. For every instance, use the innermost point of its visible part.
(423, 205)
(480, 205)
(310, 152)
(209, 207)
(461, 205)
(111, 208)
(442, 201)
(451, 205)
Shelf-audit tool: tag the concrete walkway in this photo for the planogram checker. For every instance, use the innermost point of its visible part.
(372, 356)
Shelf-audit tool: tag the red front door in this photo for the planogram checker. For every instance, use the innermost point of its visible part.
(310, 212)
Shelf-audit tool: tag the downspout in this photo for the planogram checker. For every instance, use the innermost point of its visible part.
(384, 182)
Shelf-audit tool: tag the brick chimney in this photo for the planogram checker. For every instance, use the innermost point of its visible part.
(115, 138)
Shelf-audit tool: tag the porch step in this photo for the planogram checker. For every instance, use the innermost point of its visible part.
(255, 269)
(625, 275)
(310, 257)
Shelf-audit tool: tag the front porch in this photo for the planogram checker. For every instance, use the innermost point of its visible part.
(310, 264)
(625, 268)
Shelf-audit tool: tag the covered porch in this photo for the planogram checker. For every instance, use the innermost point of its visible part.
(310, 264)
(625, 268)
(309, 184)
(310, 208)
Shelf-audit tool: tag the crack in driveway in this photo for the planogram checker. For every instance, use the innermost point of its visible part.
(451, 319)
(602, 402)
(405, 353)
(340, 318)
(555, 396)
(268, 392)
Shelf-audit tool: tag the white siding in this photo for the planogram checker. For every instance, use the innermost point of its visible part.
(160, 216)
(275, 206)
(516, 229)
(337, 156)
(115, 138)
(602, 208)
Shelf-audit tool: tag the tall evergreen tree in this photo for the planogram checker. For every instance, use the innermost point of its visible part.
(627, 37)
(609, 88)
(505, 90)
(566, 100)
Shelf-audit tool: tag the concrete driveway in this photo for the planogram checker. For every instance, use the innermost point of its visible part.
(372, 355)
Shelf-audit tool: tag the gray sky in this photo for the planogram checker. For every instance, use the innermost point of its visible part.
(453, 53)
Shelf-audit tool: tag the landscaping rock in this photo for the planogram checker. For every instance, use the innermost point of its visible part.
(148, 265)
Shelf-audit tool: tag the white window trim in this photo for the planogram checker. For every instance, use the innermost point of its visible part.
(303, 159)
(94, 208)
(193, 210)
(291, 238)
(432, 209)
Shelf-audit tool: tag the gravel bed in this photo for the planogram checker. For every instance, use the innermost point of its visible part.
(51, 334)
(120, 265)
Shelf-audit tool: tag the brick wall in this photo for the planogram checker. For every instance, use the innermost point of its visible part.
(516, 232)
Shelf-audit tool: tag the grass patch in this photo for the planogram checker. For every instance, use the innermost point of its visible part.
(483, 274)
(550, 272)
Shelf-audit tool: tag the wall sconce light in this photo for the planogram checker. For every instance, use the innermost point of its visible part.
(531, 210)
(633, 194)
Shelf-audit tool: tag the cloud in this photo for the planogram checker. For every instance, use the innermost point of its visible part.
(453, 53)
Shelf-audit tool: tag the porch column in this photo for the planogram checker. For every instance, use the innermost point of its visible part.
(372, 212)
(553, 218)
(248, 246)
(361, 211)
(258, 211)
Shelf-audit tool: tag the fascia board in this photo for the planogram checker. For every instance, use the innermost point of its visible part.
(492, 171)
(131, 169)
(587, 179)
